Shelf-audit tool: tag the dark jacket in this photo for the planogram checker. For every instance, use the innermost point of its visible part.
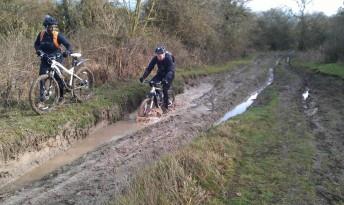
(166, 66)
(47, 44)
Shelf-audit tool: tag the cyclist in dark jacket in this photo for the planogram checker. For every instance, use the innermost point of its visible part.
(49, 41)
(166, 68)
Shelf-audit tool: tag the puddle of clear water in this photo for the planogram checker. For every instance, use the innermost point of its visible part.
(305, 95)
(239, 109)
(242, 107)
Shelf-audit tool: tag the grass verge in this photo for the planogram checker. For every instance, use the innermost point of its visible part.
(21, 129)
(208, 70)
(334, 69)
(261, 157)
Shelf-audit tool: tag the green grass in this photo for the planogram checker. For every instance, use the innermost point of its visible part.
(261, 157)
(192, 176)
(105, 97)
(208, 70)
(20, 126)
(335, 69)
(277, 153)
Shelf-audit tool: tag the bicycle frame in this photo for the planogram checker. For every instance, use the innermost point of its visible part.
(58, 67)
(153, 93)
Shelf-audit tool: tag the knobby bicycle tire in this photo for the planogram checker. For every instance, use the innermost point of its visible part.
(34, 98)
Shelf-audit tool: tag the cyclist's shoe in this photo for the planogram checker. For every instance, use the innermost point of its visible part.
(165, 110)
(61, 100)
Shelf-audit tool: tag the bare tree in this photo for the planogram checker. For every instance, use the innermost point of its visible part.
(134, 15)
(302, 5)
(143, 13)
(150, 12)
(66, 13)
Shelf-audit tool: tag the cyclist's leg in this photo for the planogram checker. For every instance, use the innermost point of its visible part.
(166, 86)
(61, 85)
(44, 67)
(58, 79)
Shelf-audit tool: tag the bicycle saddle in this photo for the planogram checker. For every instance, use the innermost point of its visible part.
(76, 55)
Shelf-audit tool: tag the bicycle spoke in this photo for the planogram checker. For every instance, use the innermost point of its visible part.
(44, 94)
(83, 85)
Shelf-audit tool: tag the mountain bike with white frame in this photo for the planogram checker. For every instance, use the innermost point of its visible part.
(45, 92)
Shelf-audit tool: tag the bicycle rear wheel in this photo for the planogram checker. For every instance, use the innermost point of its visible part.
(83, 87)
(44, 94)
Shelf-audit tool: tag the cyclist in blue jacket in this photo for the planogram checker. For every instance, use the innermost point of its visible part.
(49, 41)
(166, 69)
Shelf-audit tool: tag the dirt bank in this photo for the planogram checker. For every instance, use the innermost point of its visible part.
(99, 175)
(28, 139)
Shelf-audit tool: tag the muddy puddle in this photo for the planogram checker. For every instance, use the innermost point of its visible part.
(94, 140)
(242, 107)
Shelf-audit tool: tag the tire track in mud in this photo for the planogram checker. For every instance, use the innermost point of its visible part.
(104, 173)
(325, 110)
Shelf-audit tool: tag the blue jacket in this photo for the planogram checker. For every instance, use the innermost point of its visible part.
(165, 66)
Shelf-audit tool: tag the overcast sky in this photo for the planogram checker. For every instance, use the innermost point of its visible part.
(329, 7)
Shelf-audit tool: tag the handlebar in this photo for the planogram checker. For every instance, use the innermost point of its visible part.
(152, 82)
(49, 57)
(64, 54)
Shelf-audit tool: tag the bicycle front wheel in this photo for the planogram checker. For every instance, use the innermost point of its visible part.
(44, 94)
(83, 87)
(171, 98)
(145, 107)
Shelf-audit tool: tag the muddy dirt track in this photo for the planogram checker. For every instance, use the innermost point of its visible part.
(104, 173)
(325, 111)
(99, 175)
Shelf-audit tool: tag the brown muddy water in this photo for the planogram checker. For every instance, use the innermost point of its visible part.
(95, 139)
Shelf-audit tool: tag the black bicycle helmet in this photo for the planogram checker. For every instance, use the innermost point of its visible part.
(160, 50)
(49, 21)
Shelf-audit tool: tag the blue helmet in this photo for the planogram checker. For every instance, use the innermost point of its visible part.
(160, 50)
(49, 21)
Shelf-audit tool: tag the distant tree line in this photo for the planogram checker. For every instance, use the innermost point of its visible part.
(279, 29)
(120, 38)
(212, 28)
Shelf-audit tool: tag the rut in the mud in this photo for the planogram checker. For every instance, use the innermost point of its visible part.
(97, 176)
(304, 143)
(323, 99)
(325, 109)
